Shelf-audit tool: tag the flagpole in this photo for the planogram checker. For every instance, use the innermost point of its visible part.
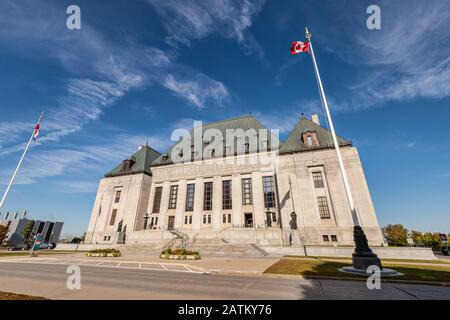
(348, 192)
(19, 164)
(363, 257)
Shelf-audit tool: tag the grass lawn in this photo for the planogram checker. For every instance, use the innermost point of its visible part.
(27, 253)
(14, 296)
(325, 268)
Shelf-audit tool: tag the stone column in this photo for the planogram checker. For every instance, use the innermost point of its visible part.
(181, 201)
(198, 204)
(258, 199)
(236, 191)
(217, 203)
(162, 216)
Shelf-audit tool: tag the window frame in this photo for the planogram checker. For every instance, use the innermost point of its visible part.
(247, 191)
(269, 192)
(318, 179)
(227, 196)
(324, 208)
(157, 200)
(208, 196)
(173, 195)
(112, 219)
(190, 197)
(117, 196)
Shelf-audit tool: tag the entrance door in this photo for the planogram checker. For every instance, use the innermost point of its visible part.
(171, 223)
(248, 218)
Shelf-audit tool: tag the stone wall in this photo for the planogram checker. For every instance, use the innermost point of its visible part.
(330, 251)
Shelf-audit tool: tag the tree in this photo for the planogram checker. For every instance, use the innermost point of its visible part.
(75, 240)
(27, 232)
(3, 231)
(417, 238)
(432, 240)
(396, 235)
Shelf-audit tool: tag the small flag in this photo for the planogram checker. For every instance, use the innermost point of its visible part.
(36, 132)
(299, 46)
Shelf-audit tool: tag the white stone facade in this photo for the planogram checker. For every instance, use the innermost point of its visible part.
(132, 219)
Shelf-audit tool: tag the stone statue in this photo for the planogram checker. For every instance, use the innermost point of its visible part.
(293, 222)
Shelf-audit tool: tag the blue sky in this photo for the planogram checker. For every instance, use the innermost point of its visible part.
(139, 69)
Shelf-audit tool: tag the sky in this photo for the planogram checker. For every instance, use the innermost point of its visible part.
(139, 69)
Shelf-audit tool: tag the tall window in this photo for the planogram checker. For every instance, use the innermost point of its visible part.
(113, 217)
(190, 191)
(269, 192)
(207, 196)
(173, 197)
(247, 195)
(323, 208)
(226, 195)
(117, 199)
(157, 200)
(318, 179)
(309, 141)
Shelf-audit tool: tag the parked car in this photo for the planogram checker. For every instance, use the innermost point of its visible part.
(445, 250)
(21, 247)
(47, 245)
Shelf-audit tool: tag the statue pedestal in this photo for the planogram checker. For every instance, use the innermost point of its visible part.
(363, 257)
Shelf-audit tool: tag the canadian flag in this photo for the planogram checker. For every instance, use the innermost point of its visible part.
(36, 132)
(299, 46)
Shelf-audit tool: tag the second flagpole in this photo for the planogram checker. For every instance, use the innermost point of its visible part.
(19, 164)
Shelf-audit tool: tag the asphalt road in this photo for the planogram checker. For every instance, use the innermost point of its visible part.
(113, 283)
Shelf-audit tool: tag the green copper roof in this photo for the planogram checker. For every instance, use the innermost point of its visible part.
(137, 163)
(245, 123)
(294, 142)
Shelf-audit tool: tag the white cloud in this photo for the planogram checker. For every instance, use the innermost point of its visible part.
(87, 56)
(185, 21)
(407, 59)
(91, 160)
(198, 91)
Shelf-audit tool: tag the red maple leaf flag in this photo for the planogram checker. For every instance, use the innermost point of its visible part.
(36, 132)
(298, 46)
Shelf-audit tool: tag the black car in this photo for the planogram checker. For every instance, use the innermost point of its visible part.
(22, 247)
(445, 250)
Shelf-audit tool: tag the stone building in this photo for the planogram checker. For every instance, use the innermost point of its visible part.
(274, 193)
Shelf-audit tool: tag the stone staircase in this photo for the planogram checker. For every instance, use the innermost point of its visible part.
(220, 248)
(141, 249)
(207, 247)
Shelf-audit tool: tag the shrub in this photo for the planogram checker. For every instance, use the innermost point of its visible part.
(106, 251)
(180, 252)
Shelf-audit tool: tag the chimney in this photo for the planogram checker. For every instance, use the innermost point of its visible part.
(315, 119)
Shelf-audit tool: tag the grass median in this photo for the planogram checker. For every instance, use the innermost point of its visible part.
(15, 296)
(322, 267)
(5, 253)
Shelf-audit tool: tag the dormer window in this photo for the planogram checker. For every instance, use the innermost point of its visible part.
(126, 165)
(310, 139)
(165, 157)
